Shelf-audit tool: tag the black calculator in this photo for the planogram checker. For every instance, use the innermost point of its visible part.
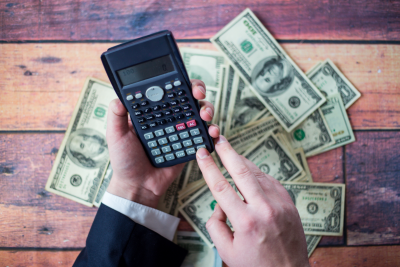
(151, 81)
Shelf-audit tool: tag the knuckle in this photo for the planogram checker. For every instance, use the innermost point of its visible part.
(210, 223)
(242, 171)
(221, 186)
(249, 224)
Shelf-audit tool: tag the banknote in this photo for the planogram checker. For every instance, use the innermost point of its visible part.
(83, 155)
(187, 194)
(301, 158)
(203, 65)
(223, 73)
(272, 75)
(104, 185)
(312, 242)
(213, 95)
(193, 173)
(199, 254)
(320, 206)
(273, 158)
(226, 95)
(312, 135)
(339, 124)
(330, 80)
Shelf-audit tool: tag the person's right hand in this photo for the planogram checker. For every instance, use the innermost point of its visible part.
(268, 230)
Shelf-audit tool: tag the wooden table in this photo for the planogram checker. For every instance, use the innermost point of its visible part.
(48, 48)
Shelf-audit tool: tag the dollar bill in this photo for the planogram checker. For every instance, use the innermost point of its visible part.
(104, 185)
(187, 194)
(312, 242)
(339, 124)
(83, 155)
(320, 206)
(273, 158)
(272, 75)
(213, 96)
(301, 158)
(226, 95)
(217, 109)
(203, 65)
(312, 135)
(199, 254)
(193, 173)
(330, 80)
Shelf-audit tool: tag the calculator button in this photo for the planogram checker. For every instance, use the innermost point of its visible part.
(180, 154)
(180, 126)
(171, 119)
(170, 129)
(181, 92)
(162, 141)
(198, 140)
(168, 112)
(138, 113)
(147, 110)
(184, 100)
(190, 151)
(171, 95)
(138, 95)
(153, 124)
(159, 115)
(173, 138)
(144, 103)
(159, 133)
(180, 116)
(186, 107)
(173, 102)
(184, 135)
(187, 143)
(166, 149)
(177, 83)
(129, 97)
(135, 106)
(144, 127)
(159, 160)
(189, 113)
(162, 122)
(155, 93)
(140, 120)
(156, 108)
(148, 136)
(165, 105)
(201, 146)
(191, 123)
(170, 157)
(177, 109)
(176, 146)
(194, 132)
(168, 86)
(152, 144)
(150, 117)
(156, 152)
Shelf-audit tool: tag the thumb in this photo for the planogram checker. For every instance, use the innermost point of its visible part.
(117, 121)
(219, 231)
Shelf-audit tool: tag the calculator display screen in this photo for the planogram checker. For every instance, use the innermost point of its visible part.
(146, 70)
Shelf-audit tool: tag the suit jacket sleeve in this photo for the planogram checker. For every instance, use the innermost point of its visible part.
(116, 240)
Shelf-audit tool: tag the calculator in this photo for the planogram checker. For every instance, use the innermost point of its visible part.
(151, 81)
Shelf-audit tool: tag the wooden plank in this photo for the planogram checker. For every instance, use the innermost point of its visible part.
(373, 189)
(116, 20)
(42, 82)
(38, 258)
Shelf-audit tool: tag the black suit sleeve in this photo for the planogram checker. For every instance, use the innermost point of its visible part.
(116, 240)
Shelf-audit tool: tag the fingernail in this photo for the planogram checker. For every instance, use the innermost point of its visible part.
(201, 88)
(202, 153)
(210, 112)
(221, 139)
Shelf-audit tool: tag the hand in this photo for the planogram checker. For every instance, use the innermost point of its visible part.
(268, 230)
(134, 177)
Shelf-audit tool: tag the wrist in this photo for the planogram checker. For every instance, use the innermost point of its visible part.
(133, 193)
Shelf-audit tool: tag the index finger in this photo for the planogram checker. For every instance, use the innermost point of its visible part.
(222, 191)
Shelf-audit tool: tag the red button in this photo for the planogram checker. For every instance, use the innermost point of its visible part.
(191, 123)
(180, 126)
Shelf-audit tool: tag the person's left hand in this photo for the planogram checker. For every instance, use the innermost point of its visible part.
(134, 177)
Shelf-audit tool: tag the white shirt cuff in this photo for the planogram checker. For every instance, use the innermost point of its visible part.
(158, 221)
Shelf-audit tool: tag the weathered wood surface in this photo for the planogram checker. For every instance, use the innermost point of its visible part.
(373, 189)
(116, 20)
(15, 258)
(41, 83)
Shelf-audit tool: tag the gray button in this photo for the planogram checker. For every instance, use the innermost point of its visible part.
(170, 156)
(184, 135)
(190, 151)
(201, 146)
(168, 86)
(176, 146)
(162, 141)
(155, 93)
(156, 152)
(198, 140)
(152, 144)
(170, 129)
(138, 95)
(173, 138)
(129, 97)
(166, 149)
(148, 136)
(159, 160)
(180, 154)
(195, 132)
(159, 132)
(187, 143)
(177, 83)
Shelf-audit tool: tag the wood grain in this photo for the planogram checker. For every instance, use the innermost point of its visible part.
(17, 258)
(373, 189)
(116, 20)
(42, 82)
